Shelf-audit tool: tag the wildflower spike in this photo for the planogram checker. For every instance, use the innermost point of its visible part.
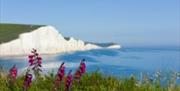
(69, 80)
(13, 74)
(59, 76)
(27, 81)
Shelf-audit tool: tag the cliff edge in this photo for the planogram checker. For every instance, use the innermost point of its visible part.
(47, 40)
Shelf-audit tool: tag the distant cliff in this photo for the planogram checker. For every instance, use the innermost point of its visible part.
(47, 40)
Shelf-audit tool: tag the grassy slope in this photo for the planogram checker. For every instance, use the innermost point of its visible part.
(90, 82)
(9, 32)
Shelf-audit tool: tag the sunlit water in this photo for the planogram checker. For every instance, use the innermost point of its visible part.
(120, 63)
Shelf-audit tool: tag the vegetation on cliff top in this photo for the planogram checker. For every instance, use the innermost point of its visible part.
(9, 32)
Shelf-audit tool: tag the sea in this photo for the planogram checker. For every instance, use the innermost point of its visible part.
(123, 62)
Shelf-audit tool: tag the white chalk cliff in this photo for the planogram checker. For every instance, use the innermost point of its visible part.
(46, 40)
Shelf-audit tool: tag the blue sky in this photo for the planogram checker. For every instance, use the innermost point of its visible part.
(127, 22)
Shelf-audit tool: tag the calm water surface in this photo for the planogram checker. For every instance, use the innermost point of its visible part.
(122, 62)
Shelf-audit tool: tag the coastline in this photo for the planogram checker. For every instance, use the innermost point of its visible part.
(47, 40)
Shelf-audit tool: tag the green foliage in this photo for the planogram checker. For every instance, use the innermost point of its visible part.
(9, 32)
(90, 82)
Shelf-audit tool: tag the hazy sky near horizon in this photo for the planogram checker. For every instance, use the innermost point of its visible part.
(127, 22)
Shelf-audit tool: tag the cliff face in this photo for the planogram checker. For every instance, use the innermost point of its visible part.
(46, 40)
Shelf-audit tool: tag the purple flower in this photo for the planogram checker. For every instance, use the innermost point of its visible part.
(13, 74)
(59, 76)
(31, 60)
(83, 66)
(80, 71)
(69, 80)
(78, 75)
(27, 81)
(61, 71)
(35, 61)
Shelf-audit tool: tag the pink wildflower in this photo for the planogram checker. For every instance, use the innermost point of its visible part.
(13, 74)
(78, 75)
(39, 61)
(61, 71)
(27, 81)
(35, 60)
(83, 66)
(80, 71)
(31, 60)
(69, 80)
(59, 76)
(34, 50)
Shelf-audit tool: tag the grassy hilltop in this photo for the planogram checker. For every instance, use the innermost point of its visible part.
(9, 32)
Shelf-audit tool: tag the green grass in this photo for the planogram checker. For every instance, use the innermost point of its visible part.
(90, 82)
(9, 32)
